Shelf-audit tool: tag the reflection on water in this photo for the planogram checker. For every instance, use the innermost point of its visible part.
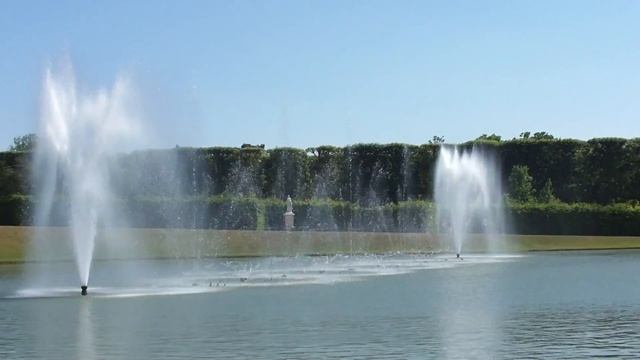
(84, 345)
(469, 327)
(570, 306)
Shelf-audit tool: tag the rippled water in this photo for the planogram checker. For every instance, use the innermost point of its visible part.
(561, 305)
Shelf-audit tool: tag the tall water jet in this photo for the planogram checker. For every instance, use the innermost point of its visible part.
(468, 195)
(78, 134)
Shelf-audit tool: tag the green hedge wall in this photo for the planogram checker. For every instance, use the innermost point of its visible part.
(600, 171)
(15, 170)
(15, 210)
(410, 216)
(361, 187)
(575, 219)
(196, 213)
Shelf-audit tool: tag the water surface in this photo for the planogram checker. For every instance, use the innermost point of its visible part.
(561, 305)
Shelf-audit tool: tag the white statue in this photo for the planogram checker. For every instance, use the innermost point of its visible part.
(288, 216)
(289, 204)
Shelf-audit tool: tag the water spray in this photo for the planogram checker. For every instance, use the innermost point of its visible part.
(468, 195)
(79, 134)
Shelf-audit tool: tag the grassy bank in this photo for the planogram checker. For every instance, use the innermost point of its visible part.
(160, 243)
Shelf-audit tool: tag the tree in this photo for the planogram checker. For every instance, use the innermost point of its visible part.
(437, 140)
(546, 194)
(492, 137)
(521, 184)
(24, 143)
(542, 135)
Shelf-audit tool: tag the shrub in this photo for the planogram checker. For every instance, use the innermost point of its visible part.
(520, 184)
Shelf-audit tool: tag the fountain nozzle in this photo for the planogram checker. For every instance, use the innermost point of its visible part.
(458, 256)
(83, 289)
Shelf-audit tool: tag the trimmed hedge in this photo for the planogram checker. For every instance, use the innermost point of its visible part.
(15, 210)
(196, 213)
(14, 173)
(603, 171)
(575, 219)
(363, 187)
(250, 213)
(415, 216)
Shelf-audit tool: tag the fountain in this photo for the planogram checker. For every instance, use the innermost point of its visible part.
(468, 195)
(78, 134)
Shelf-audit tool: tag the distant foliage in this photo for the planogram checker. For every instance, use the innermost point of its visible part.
(360, 186)
(521, 184)
(608, 167)
(575, 219)
(541, 135)
(24, 143)
(437, 140)
(603, 171)
(14, 173)
(545, 195)
(286, 173)
(247, 213)
(492, 137)
(15, 210)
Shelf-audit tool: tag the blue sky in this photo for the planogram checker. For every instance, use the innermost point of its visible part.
(305, 73)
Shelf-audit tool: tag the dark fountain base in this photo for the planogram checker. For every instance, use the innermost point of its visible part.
(83, 290)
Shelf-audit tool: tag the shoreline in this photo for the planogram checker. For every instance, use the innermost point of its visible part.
(137, 243)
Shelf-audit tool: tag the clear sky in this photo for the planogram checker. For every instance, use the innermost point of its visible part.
(304, 73)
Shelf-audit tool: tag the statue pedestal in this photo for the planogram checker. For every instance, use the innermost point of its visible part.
(288, 220)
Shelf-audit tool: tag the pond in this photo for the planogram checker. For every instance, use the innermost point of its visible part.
(539, 305)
